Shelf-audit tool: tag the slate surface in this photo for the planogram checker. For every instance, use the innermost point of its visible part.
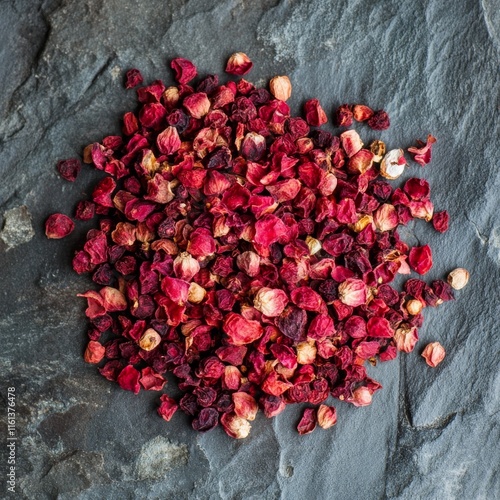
(433, 65)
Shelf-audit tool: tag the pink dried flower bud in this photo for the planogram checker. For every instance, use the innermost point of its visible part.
(281, 87)
(186, 266)
(149, 339)
(253, 146)
(344, 115)
(360, 162)
(327, 416)
(235, 427)
(361, 397)
(351, 142)
(420, 259)
(133, 78)
(270, 302)
(362, 113)
(386, 217)
(379, 120)
(196, 293)
(406, 336)
(58, 226)
(197, 104)
(393, 164)
(315, 115)
(245, 405)
(433, 353)
(167, 408)
(249, 263)
(458, 278)
(238, 64)
(353, 292)
(168, 141)
(184, 70)
(306, 352)
(94, 352)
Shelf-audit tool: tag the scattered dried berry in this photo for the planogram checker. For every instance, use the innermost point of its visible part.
(248, 255)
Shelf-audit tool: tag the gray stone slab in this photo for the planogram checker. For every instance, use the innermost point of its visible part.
(434, 66)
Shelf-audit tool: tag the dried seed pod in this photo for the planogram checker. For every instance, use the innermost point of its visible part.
(281, 87)
(458, 278)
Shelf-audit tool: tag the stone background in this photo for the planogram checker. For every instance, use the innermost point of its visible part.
(433, 65)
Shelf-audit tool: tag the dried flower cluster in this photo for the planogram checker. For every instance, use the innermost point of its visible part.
(248, 252)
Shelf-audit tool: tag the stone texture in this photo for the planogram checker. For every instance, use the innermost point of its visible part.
(434, 66)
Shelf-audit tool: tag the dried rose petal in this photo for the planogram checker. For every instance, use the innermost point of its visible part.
(307, 423)
(433, 353)
(167, 408)
(315, 115)
(420, 259)
(150, 380)
(239, 64)
(58, 226)
(197, 104)
(241, 331)
(128, 379)
(69, 169)
(422, 154)
(440, 221)
(94, 352)
(245, 405)
(406, 336)
(133, 78)
(306, 298)
(168, 141)
(362, 113)
(184, 70)
(379, 327)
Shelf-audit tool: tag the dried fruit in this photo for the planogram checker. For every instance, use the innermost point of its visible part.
(458, 278)
(246, 254)
(433, 354)
(69, 169)
(133, 78)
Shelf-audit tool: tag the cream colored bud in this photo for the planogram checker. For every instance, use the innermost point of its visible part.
(414, 307)
(313, 244)
(393, 164)
(149, 340)
(280, 87)
(458, 278)
(196, 293)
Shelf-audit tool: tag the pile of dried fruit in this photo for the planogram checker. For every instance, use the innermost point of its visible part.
(248, 252)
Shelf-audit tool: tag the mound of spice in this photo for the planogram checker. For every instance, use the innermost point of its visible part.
(249, 252)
